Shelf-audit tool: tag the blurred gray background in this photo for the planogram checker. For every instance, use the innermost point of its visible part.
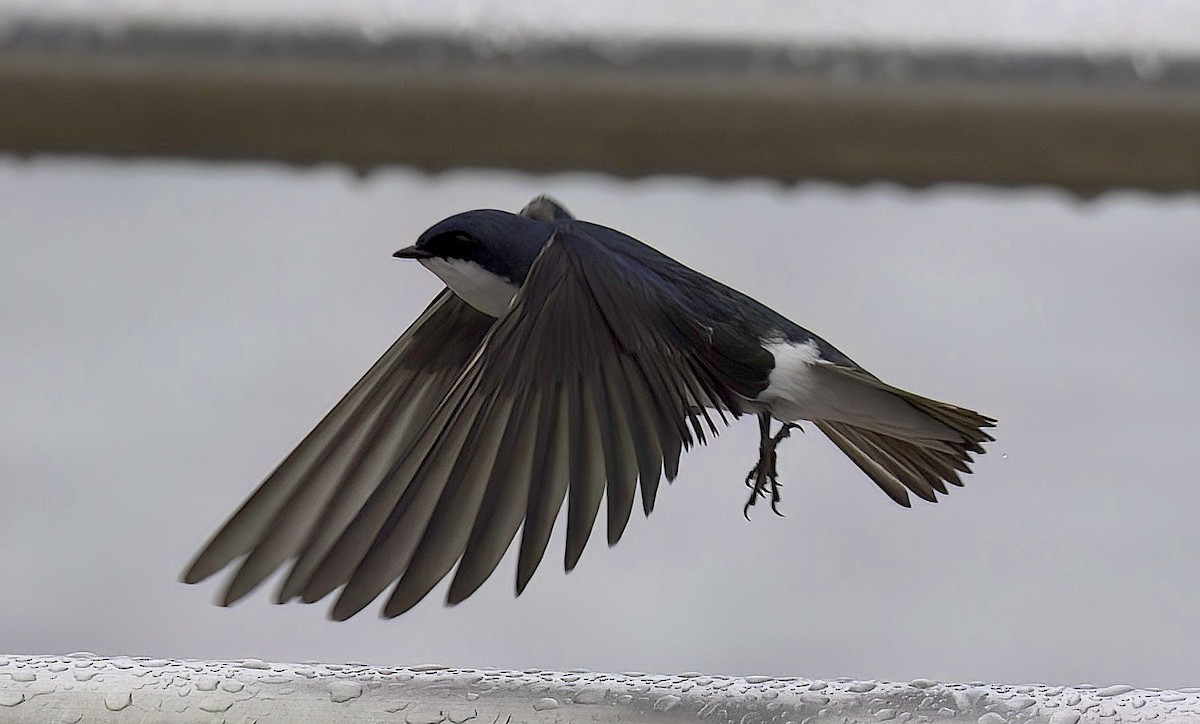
(169, 330)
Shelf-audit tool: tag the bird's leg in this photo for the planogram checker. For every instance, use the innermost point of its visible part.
(764, 473)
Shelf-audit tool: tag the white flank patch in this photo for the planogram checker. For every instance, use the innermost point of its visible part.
(791, 384)
(487, 292)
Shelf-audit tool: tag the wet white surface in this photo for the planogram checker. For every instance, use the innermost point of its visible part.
(84, 687)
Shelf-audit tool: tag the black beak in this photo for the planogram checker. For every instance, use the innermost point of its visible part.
(412, 252)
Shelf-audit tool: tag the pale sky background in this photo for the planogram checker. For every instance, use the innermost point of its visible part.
(169, 330)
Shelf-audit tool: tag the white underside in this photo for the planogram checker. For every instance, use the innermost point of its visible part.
(487, 292)
(791, 386)
(802, 386)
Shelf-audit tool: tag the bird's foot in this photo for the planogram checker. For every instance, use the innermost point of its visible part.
(764, 475)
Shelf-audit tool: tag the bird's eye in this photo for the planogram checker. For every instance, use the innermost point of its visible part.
(455, 244)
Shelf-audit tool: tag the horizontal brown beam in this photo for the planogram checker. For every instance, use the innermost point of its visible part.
(917, 117)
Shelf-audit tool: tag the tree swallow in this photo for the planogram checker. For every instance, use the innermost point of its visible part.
(564, 360)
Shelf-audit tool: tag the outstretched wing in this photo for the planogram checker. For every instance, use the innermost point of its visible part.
(304, 504)
(301, 507)
(594, 379)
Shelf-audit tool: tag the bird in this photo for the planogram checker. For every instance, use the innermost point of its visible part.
(563, 361)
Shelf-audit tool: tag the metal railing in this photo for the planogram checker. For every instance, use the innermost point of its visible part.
(88, 688)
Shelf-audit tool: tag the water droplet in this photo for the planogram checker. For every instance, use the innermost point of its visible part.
(254, 664)
(922, 683)
(970, 698)
(861, 687)
(591, 695)
(1004, 456)
(1065, 717)
(472, 695)
(667, 702)
(342, 691)
(117, 700)
(1020, 703)
(216, 703)
(232, 687)
(1114, 690)
(11, 698)
(545, 703)
(23, 676)
(426, 667)
(757, 679)
(885, 715)
(459, 717)
(991, 718)
(208, 683)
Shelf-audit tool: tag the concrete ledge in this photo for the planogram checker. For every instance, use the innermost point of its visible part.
(304, 96)
(83, 687)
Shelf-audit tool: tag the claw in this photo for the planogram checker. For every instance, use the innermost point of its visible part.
(764, 473)
(786, 431)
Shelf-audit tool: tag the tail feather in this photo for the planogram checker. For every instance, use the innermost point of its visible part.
(899, 463)
(884, 479)
(909, 457)
(877, 447)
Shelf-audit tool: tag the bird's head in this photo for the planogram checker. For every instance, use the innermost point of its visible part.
(483, 255)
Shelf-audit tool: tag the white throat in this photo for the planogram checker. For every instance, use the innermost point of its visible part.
(487, 292)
